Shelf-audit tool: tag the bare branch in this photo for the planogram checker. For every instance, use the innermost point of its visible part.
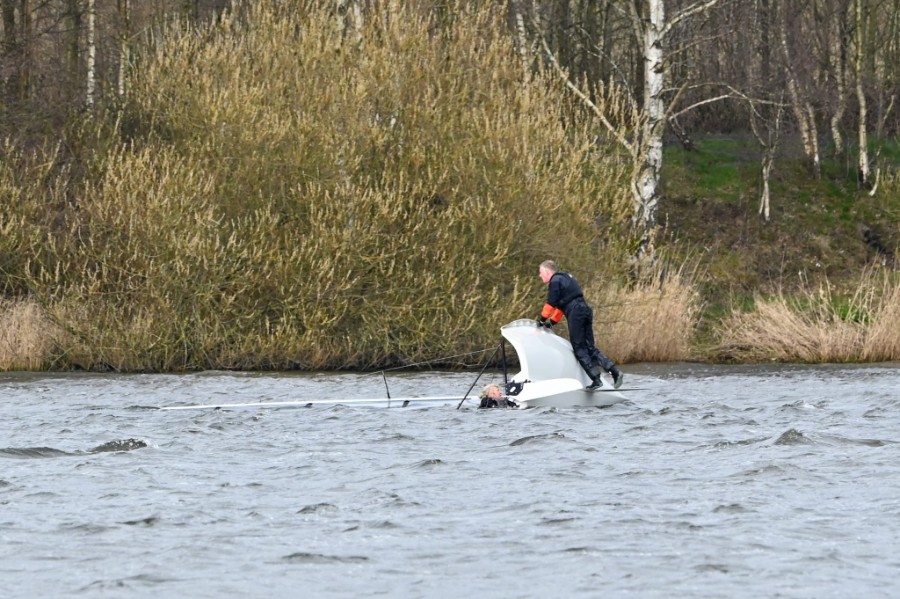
(701, 103)
(583, 97)
(688, 12)
(623, 77)
(733, 94)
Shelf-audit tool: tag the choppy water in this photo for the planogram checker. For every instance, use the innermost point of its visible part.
(714, 482)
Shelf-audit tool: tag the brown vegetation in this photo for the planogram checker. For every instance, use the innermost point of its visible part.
(27, 336)
(291, 200)
(819, 327)
(286, 188)
(653, 320)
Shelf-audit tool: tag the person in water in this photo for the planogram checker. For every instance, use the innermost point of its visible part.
(492, 397)
(565, 298)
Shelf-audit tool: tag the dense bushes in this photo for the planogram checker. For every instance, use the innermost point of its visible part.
(286, 196)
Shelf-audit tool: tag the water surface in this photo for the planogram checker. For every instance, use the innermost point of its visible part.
(712, 482)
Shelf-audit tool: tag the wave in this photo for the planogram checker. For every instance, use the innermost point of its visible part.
(302, 557)
(537, 438)
(50, 452)
(121, 445)
(32, 452)
(792, 437)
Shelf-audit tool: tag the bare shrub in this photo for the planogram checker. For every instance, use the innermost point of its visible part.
(290, 198)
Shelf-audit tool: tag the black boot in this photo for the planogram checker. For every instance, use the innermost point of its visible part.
(618, 377)
(596, 380)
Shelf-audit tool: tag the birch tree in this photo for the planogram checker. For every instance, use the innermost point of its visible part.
(837, 48)
(91, 42)
(652, 28)
(123, 7)
(765, 122)
(862, 138)
(801, 104)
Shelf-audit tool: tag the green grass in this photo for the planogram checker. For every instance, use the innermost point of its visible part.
(816, 231)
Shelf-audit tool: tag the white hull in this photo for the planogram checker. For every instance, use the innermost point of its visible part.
(564, 393)
(550, 374)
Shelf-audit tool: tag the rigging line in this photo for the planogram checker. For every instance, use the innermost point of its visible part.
(505, 373)
(466, 396)
(480, 351)
(386, 389)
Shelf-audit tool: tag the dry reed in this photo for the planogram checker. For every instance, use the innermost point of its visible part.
(820, 327)
(652, 320)
(27, 336)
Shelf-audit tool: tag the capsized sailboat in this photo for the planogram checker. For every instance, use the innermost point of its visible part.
(549, 377)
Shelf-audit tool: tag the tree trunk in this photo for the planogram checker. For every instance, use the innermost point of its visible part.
(8, 12)
(863, 164)
(768, 133)
(91, 42)
(650, 152)
(72, 18)
(654, 27)
(10, 48)
(764, 20)
(803, 110)
(124, 8)
(517, 8)
(18, 43)
(838, 49)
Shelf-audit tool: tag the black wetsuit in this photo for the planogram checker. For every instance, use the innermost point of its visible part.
(491, 402)
(565, 293)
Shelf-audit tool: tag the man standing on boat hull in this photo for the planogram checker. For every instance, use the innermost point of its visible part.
(564, 297)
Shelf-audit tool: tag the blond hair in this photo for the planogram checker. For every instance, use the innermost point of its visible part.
(492, 391)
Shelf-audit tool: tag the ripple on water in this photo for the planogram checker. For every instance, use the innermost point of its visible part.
(538, 439)
(148, 521)
(721, 482)
(33, 452)
(318, 508)
(793, 437)
(129, 583)
(303, 557)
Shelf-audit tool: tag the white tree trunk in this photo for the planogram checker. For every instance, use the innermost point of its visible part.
(91, 55)
(124, 45)
(838, 51)
(650, 150)
(861, 98)
(803, 110)
(349, 20)
(654, 27)
(518, 9)
(767, 131)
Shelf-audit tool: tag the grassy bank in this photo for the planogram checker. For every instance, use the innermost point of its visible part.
(816, 283)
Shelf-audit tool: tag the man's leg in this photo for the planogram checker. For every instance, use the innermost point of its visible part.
(580, 335)
(598, 356)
